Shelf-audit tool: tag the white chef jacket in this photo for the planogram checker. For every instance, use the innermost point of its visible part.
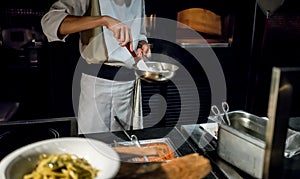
(101, 99)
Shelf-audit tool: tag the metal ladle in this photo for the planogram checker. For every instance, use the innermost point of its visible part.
(133, 138)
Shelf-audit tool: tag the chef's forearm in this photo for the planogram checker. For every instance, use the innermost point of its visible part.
(73, 24)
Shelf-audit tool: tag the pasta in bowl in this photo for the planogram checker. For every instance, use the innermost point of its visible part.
(69, 156)
(62, 166)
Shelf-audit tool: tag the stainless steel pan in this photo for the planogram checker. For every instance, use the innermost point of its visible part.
(157, 71)
(152, 70)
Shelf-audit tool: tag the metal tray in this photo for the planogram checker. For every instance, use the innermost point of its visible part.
(243, 142)
(248, 124)
(144, 143)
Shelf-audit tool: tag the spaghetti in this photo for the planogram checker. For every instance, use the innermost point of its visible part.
(59, 166)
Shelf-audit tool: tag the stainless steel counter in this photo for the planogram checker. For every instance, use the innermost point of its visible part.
(181, 144)
(208, 145)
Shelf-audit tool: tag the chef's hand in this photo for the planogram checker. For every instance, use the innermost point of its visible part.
(143, 49)
(121, 31)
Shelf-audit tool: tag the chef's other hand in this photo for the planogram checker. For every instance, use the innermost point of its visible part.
(143, 49)
(121, 31)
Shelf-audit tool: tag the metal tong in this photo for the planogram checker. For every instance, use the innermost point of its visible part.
(133, 138)
(225, 109)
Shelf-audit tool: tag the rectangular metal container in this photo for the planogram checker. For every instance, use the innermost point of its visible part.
(145, 143)
(243, 142)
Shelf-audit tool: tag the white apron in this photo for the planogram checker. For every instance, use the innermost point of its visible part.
(101, 100)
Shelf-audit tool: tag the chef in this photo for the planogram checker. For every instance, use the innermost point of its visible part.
(106, 27)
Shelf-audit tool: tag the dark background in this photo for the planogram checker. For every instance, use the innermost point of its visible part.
(44, 89)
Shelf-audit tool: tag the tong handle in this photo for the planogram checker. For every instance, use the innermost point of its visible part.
(132, 138)
(135, 140)
(133, 54)
(121, 125)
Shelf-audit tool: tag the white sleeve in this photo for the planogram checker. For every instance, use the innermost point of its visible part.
(51, 21)
(50, 24)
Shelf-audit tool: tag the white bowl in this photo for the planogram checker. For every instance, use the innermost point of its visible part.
(23, 160)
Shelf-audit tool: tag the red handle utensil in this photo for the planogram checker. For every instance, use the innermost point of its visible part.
(133, 54)
(139, 61)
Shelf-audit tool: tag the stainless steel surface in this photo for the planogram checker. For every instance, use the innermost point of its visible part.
(207, 144)
(158, 71)
(228, 170)
(248, 124)
(164, 140)
(242, 144)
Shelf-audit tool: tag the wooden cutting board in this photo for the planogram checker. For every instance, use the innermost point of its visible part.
(202, 20)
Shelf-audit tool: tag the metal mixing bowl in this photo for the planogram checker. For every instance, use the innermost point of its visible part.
(158, 71)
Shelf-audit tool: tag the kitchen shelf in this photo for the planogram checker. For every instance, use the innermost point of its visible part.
(197, 43)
